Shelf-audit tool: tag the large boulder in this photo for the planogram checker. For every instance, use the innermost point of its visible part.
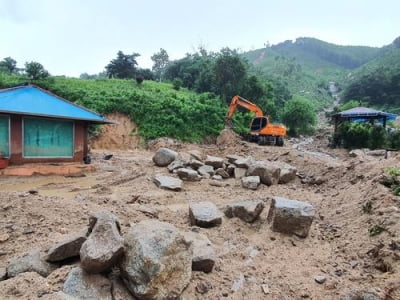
(195, 164)
(233, 157)
(157, 262)
(216, 162)
(84, 286)
(29, 262)
(221, 172)
(245, 210)
(251, 182)
(188, 174)
(164, 156)
(204, 257)
(244, 162)
(68, 247)
(291, 216)
(268, 172)
(287, 173)
(167, 182)
(104, 246)
(204, 214)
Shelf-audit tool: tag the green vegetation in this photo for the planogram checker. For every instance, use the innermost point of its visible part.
(378, 83)
(391, 179)
(353, 135)
(157, 108)
(299, 115)
(375, 230)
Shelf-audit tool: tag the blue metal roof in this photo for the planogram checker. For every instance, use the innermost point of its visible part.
(365, 112)
(31, 100)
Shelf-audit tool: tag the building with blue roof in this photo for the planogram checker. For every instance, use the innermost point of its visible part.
(38, 126)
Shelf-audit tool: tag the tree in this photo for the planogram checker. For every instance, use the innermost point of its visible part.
(8, 65)
(35, 70)
(230, 74)
(161, 60)
(124, 66)
(299, 115)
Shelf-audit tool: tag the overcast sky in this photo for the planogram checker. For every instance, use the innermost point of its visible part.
(70, 37)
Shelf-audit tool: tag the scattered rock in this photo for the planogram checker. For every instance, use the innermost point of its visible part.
(218, 183)
(232, 158)
(221, 172)
(265, 288)
(4, 237)
(29, 262)
(287, 173)
(196, 154)
(195, 164)
(356, 153)
(320, 279)
(204, 214)
(164, 156)
(379, 152)
(206, 170)
(203, 258)
(157, 263)
(247, 211)
(66, 248)
(28, 230)
(188, 174)
(216, 177)
(214, 161)
(176, 164)
(104, 246)
(268, 172)
(238, 283)
(291, 216)
(33, 191)
(239, 172)
(251, 182)
(86, 286)
(244, 162)
(168, 182)
(203, 287)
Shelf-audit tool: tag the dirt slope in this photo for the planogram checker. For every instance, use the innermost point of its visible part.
(250, 256)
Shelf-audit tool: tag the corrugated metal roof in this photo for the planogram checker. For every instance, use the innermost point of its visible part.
(32, 100)
(365, 112)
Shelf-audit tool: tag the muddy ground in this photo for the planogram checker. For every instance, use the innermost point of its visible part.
(253, 262)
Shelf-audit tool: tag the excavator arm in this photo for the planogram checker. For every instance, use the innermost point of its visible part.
(239, 101)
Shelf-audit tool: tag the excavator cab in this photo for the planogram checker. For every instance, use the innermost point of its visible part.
(258, 123)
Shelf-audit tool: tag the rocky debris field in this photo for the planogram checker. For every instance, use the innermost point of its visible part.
(232, 221)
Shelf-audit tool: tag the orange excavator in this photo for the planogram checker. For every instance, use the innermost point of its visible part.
(262, 130)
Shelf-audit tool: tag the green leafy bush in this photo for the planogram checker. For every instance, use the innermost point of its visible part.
(299, 115)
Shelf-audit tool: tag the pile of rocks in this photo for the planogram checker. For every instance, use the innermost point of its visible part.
(251, 172)
(154, 260)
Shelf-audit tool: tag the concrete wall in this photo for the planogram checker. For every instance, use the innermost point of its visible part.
(16, 143)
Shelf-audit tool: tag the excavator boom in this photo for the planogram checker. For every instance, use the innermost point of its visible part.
(239, 101)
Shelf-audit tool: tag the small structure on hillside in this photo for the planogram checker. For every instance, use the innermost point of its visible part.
(38, 126)
(363, 114)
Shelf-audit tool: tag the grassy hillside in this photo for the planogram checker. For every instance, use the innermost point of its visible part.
(307, 65)
(156, 108)
(377, 83)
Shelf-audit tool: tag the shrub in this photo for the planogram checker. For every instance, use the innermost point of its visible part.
(299, 115)
(176, 84)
